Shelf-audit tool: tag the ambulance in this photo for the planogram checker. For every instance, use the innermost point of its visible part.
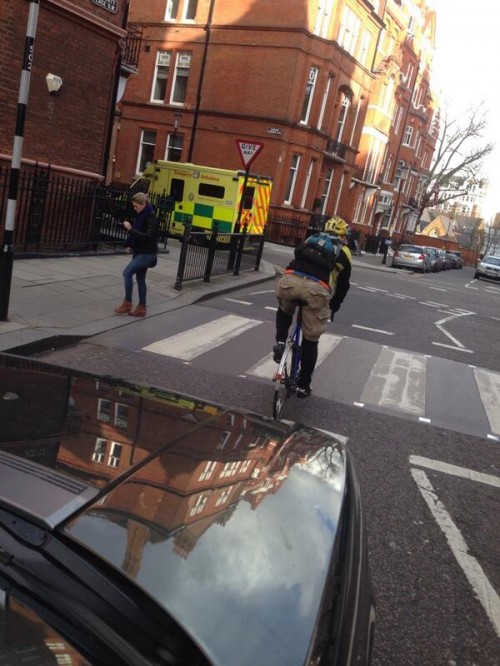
(203, 195)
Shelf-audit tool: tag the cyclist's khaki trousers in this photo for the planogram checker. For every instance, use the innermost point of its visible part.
(315, 312)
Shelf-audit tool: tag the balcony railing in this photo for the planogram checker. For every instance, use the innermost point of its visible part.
(334, 147)
(132, 48)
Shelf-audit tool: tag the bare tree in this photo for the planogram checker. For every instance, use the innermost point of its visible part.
(458, 157)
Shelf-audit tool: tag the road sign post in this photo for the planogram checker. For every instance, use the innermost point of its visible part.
(248, 152)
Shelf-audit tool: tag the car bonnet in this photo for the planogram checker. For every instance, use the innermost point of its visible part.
(225, 518)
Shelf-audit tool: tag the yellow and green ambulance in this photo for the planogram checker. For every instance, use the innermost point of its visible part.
(203, 195)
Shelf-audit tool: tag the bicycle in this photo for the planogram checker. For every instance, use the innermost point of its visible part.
(287, 375)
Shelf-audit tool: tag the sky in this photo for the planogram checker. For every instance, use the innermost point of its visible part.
(466, 67)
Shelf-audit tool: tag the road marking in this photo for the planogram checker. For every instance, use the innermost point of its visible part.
(397, 381)
(496, 318)
(434, 305)
(196, 341)
(462, 349)
(438, 289)
(470, 566)
(271, 307)
(266, 367)
(413, 298)
(235, 300)
(423, 419)
(370, 289)
(374, 330)
(396, 296)
(265, 291)
(488, 384)
(455, 470)
(440, 323)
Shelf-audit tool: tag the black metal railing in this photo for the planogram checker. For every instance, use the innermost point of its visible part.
(206, 254)
(131, 48)
(291, 230)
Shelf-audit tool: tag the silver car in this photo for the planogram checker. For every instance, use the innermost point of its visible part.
(411, 256)
(488, 267)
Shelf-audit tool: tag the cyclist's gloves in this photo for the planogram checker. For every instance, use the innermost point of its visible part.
(334, 305)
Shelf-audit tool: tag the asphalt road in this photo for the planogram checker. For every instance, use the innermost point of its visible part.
(430, 493)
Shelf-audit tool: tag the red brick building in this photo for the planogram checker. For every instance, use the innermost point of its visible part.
(320, 84)
(79, 41)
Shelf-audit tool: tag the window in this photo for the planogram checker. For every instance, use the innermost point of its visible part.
(121, 415)
(190, 7)
(115, 455)
(199, 505)
(160, 78)
(364, 50)
(324, 102)
(177, 189)
(399, 174)
(349, 31)
(309, 94)
(230, 469)
(345, 103)
(310, 171)
(323, 16)
(212, 191)
(179, 87)
(172, 9)
(104, 410)
(292, 178)
(223, 440)
(327, 183)
(224, 496)
(99, 450)
(175, 144)
(146, 150)
(387, 171)
(408, 135)
(399, 116)
(208, 471)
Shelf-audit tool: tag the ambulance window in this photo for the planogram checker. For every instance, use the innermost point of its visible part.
(248, 198)
(177, 189)
(214, 191)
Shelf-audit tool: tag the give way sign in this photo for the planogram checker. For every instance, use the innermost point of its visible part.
(248, 150)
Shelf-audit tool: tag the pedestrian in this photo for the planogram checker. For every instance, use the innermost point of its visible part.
(320, 282)
(387, 244)
(142, 243)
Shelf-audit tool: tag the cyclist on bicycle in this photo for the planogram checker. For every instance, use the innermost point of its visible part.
(320, 283)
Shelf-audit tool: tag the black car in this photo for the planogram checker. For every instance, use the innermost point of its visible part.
(140, 526)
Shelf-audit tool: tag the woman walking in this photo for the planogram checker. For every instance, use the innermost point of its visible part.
(142, 242)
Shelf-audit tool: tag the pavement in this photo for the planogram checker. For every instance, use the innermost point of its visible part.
(56, 301)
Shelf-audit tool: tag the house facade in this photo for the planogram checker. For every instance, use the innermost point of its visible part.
(338, 93)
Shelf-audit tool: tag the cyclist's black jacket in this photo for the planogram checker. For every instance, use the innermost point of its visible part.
(312, 262)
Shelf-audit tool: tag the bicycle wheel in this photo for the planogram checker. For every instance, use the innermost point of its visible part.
(283, 382)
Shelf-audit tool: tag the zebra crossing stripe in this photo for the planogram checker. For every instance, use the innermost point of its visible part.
(201, 339)
(488, 384)
(266, 367)
(397, 381)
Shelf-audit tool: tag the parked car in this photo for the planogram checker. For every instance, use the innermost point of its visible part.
(456, 259)
(411, 256)
(444, 262)
(488, 267)
(140, 526)
(434, 259)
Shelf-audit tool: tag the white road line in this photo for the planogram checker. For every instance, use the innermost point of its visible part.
(271, 307)
(196, 341)
(370, 289)
(266, 367)
(440, 323)
(434, 305)
(462, 349)
(235, 300)
(488, 384)
(470, 566)
(397, 381)
(374, 330)
(455, 470)
(438, 289)
(265, 291)
(396, 296)
(413, 298)
(495, 318)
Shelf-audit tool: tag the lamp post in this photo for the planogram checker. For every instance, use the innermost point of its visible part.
(173, 146)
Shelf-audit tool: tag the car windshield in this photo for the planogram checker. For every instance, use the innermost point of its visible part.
(495, 261)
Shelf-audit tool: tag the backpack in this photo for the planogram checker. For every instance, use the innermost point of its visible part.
(322, 249)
